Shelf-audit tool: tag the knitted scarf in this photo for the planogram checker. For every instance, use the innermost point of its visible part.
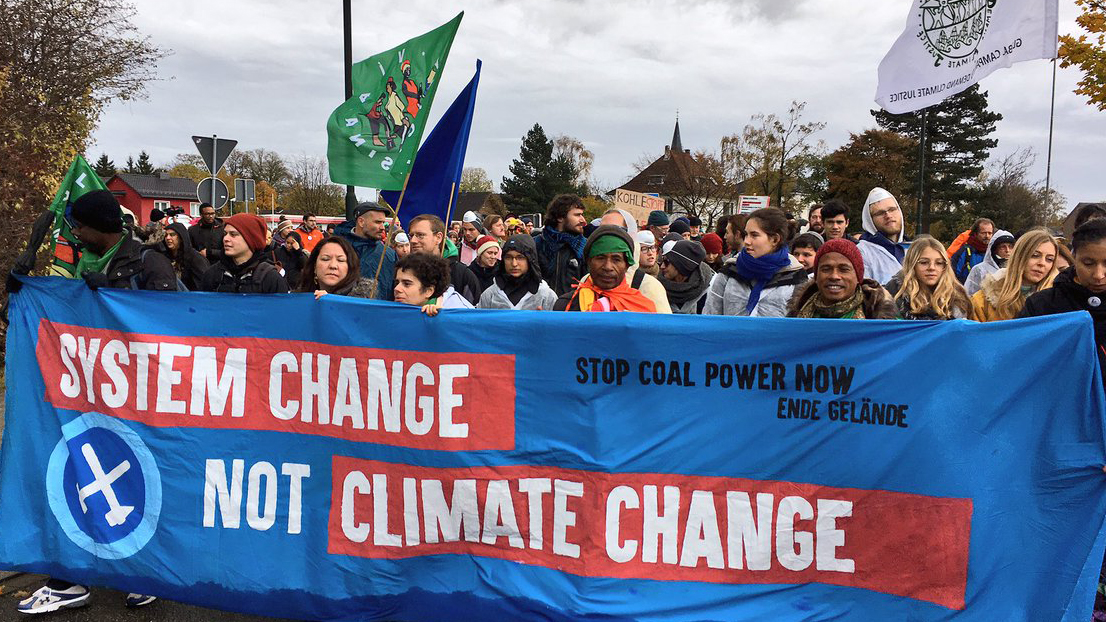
(760, 270)
(554, 240)
(850, 308)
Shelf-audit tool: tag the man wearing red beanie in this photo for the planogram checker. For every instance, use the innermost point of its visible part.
(839, 289)
(241, 270)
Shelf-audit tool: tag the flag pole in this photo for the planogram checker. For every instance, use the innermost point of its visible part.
(921, 171)
(1051, 121)
(399, 204)
(347, 28)
(449, 208)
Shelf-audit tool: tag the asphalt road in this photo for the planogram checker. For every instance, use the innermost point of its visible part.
(105, 606)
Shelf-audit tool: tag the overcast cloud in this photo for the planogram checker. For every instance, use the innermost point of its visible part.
(268, 73)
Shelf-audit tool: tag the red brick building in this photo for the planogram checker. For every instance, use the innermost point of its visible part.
(142, 193)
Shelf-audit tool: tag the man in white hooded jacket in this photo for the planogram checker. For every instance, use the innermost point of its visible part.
(883, 244)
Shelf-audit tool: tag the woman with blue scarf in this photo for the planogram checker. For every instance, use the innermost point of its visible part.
(761, 278)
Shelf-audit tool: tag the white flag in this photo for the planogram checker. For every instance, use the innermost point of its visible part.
(949, 45)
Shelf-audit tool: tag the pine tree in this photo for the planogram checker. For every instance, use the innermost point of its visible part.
(957, 148)
(143, 165)
(536, 176)
(104, 167)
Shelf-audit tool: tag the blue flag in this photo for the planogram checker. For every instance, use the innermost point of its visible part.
(436, 174)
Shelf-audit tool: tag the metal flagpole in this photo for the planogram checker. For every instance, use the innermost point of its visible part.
(351, 195)
(921, 170)
(1051, 121)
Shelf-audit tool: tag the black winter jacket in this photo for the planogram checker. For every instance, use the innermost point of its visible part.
(138, 267)
(464, 281)
(564, 271)
(188, 264)
(208, 238)
(1066, 295)
(253, 277)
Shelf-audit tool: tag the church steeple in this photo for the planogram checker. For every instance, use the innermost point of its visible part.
(677, 145)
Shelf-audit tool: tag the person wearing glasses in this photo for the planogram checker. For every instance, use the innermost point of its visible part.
(883, 244)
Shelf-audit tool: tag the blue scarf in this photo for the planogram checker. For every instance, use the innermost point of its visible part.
(897, 250)
(760, 270)
(554, 240)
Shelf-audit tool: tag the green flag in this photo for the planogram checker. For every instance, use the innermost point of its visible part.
(373, 137)
(80, 179)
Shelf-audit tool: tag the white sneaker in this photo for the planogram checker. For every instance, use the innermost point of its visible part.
(139, 600)
(45, 600)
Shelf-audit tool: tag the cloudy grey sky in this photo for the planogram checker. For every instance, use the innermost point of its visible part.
(268, 73)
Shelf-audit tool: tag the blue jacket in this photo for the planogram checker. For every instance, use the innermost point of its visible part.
(369, 251)
(964, 260)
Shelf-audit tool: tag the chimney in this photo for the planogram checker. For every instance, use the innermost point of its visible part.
(667, 152)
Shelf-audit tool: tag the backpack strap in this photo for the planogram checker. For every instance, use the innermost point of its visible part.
(639, 277)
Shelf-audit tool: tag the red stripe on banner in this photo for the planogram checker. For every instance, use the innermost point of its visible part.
(656, 526)
(426, 400)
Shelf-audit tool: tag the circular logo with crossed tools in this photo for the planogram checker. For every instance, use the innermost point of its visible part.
(104, 487)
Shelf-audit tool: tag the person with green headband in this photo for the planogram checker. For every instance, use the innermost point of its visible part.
(608, 253)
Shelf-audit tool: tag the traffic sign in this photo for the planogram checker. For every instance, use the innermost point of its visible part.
(215, 194)
(244, 190)
(214, 151)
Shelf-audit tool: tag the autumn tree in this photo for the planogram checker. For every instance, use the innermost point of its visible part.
(572, 156)
(1008, 195)
(61, 63)
(873, 158)
(772, 154)
(474, 179)
(189, 165)
(1088, 54)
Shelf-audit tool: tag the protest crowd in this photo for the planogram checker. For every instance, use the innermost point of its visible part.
(763, 264)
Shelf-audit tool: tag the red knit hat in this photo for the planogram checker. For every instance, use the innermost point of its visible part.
(712, 243)
(844, 247)
(483, 243)
(252, 228)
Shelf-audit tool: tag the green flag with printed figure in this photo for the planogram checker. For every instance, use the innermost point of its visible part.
(64, 250)
(373, 136)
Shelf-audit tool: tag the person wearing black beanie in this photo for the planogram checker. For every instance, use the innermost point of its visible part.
(110, 258)
(685, 276)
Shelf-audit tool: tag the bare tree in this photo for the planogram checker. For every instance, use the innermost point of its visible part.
(310, 189)
(773, 154)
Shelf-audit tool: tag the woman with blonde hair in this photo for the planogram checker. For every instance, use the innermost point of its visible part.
(929, 288)
(1031, 268)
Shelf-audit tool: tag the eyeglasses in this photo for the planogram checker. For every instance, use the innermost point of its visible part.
(71, 222)
(882, 213)
(663, 262)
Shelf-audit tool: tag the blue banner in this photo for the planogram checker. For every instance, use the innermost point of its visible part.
(360, 460)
